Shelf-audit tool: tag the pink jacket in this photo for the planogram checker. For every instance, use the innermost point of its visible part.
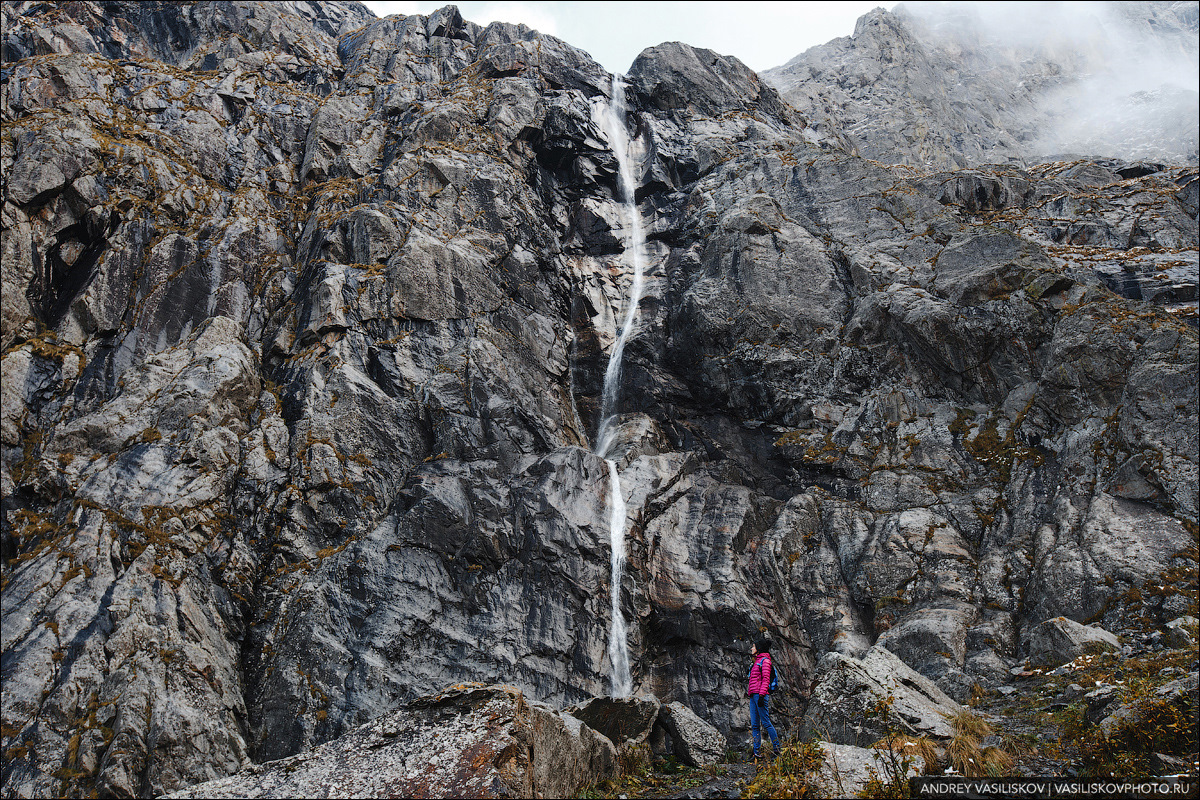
(760, 674)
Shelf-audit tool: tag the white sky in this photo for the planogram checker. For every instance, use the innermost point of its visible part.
(761, 34)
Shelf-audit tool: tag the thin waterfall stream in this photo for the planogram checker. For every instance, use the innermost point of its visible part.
(618, 138)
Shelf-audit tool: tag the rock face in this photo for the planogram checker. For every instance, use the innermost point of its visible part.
(960, 84)
(304, 331)
(469, 741)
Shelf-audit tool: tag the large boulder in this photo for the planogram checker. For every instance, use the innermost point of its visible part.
(846, 769)
(1058, 640)
(849, 702)
(472, 740)
(695, 741)
(626, 721)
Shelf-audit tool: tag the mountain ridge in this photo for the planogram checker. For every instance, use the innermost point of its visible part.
(946, 86)
(303, 344)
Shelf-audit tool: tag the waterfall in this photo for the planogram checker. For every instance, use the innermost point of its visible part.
(618, 138)
(618, 645)
(614, 123)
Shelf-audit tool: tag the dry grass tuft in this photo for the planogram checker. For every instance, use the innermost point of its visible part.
(966, 723)
(965, 753)
(792, 774)
(920, 746)
(995, 763)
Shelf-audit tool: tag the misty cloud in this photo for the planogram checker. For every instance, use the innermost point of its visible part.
(1111, 79)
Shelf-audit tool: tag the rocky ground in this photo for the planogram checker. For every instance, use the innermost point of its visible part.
(1049, 721)
(304, 321)
(669, 780)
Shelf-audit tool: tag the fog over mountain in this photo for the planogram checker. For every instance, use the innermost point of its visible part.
(308, 320)
(954, 84)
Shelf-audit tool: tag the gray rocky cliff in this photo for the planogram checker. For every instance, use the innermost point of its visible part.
(945, 85)
(304, 331)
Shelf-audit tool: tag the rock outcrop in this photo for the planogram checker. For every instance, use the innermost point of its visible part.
(469, 741)
(627, 722)
(304, 331)
(859, 702)
(1060, 639)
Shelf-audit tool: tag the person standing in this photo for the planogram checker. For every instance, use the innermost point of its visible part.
(759, 690)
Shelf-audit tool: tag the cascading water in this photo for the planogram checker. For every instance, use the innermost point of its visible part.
(618, 646)
(614, 124)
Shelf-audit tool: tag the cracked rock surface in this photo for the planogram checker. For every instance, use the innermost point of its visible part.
(304, 331)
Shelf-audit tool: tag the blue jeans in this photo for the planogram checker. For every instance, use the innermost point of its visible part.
(761, 715)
